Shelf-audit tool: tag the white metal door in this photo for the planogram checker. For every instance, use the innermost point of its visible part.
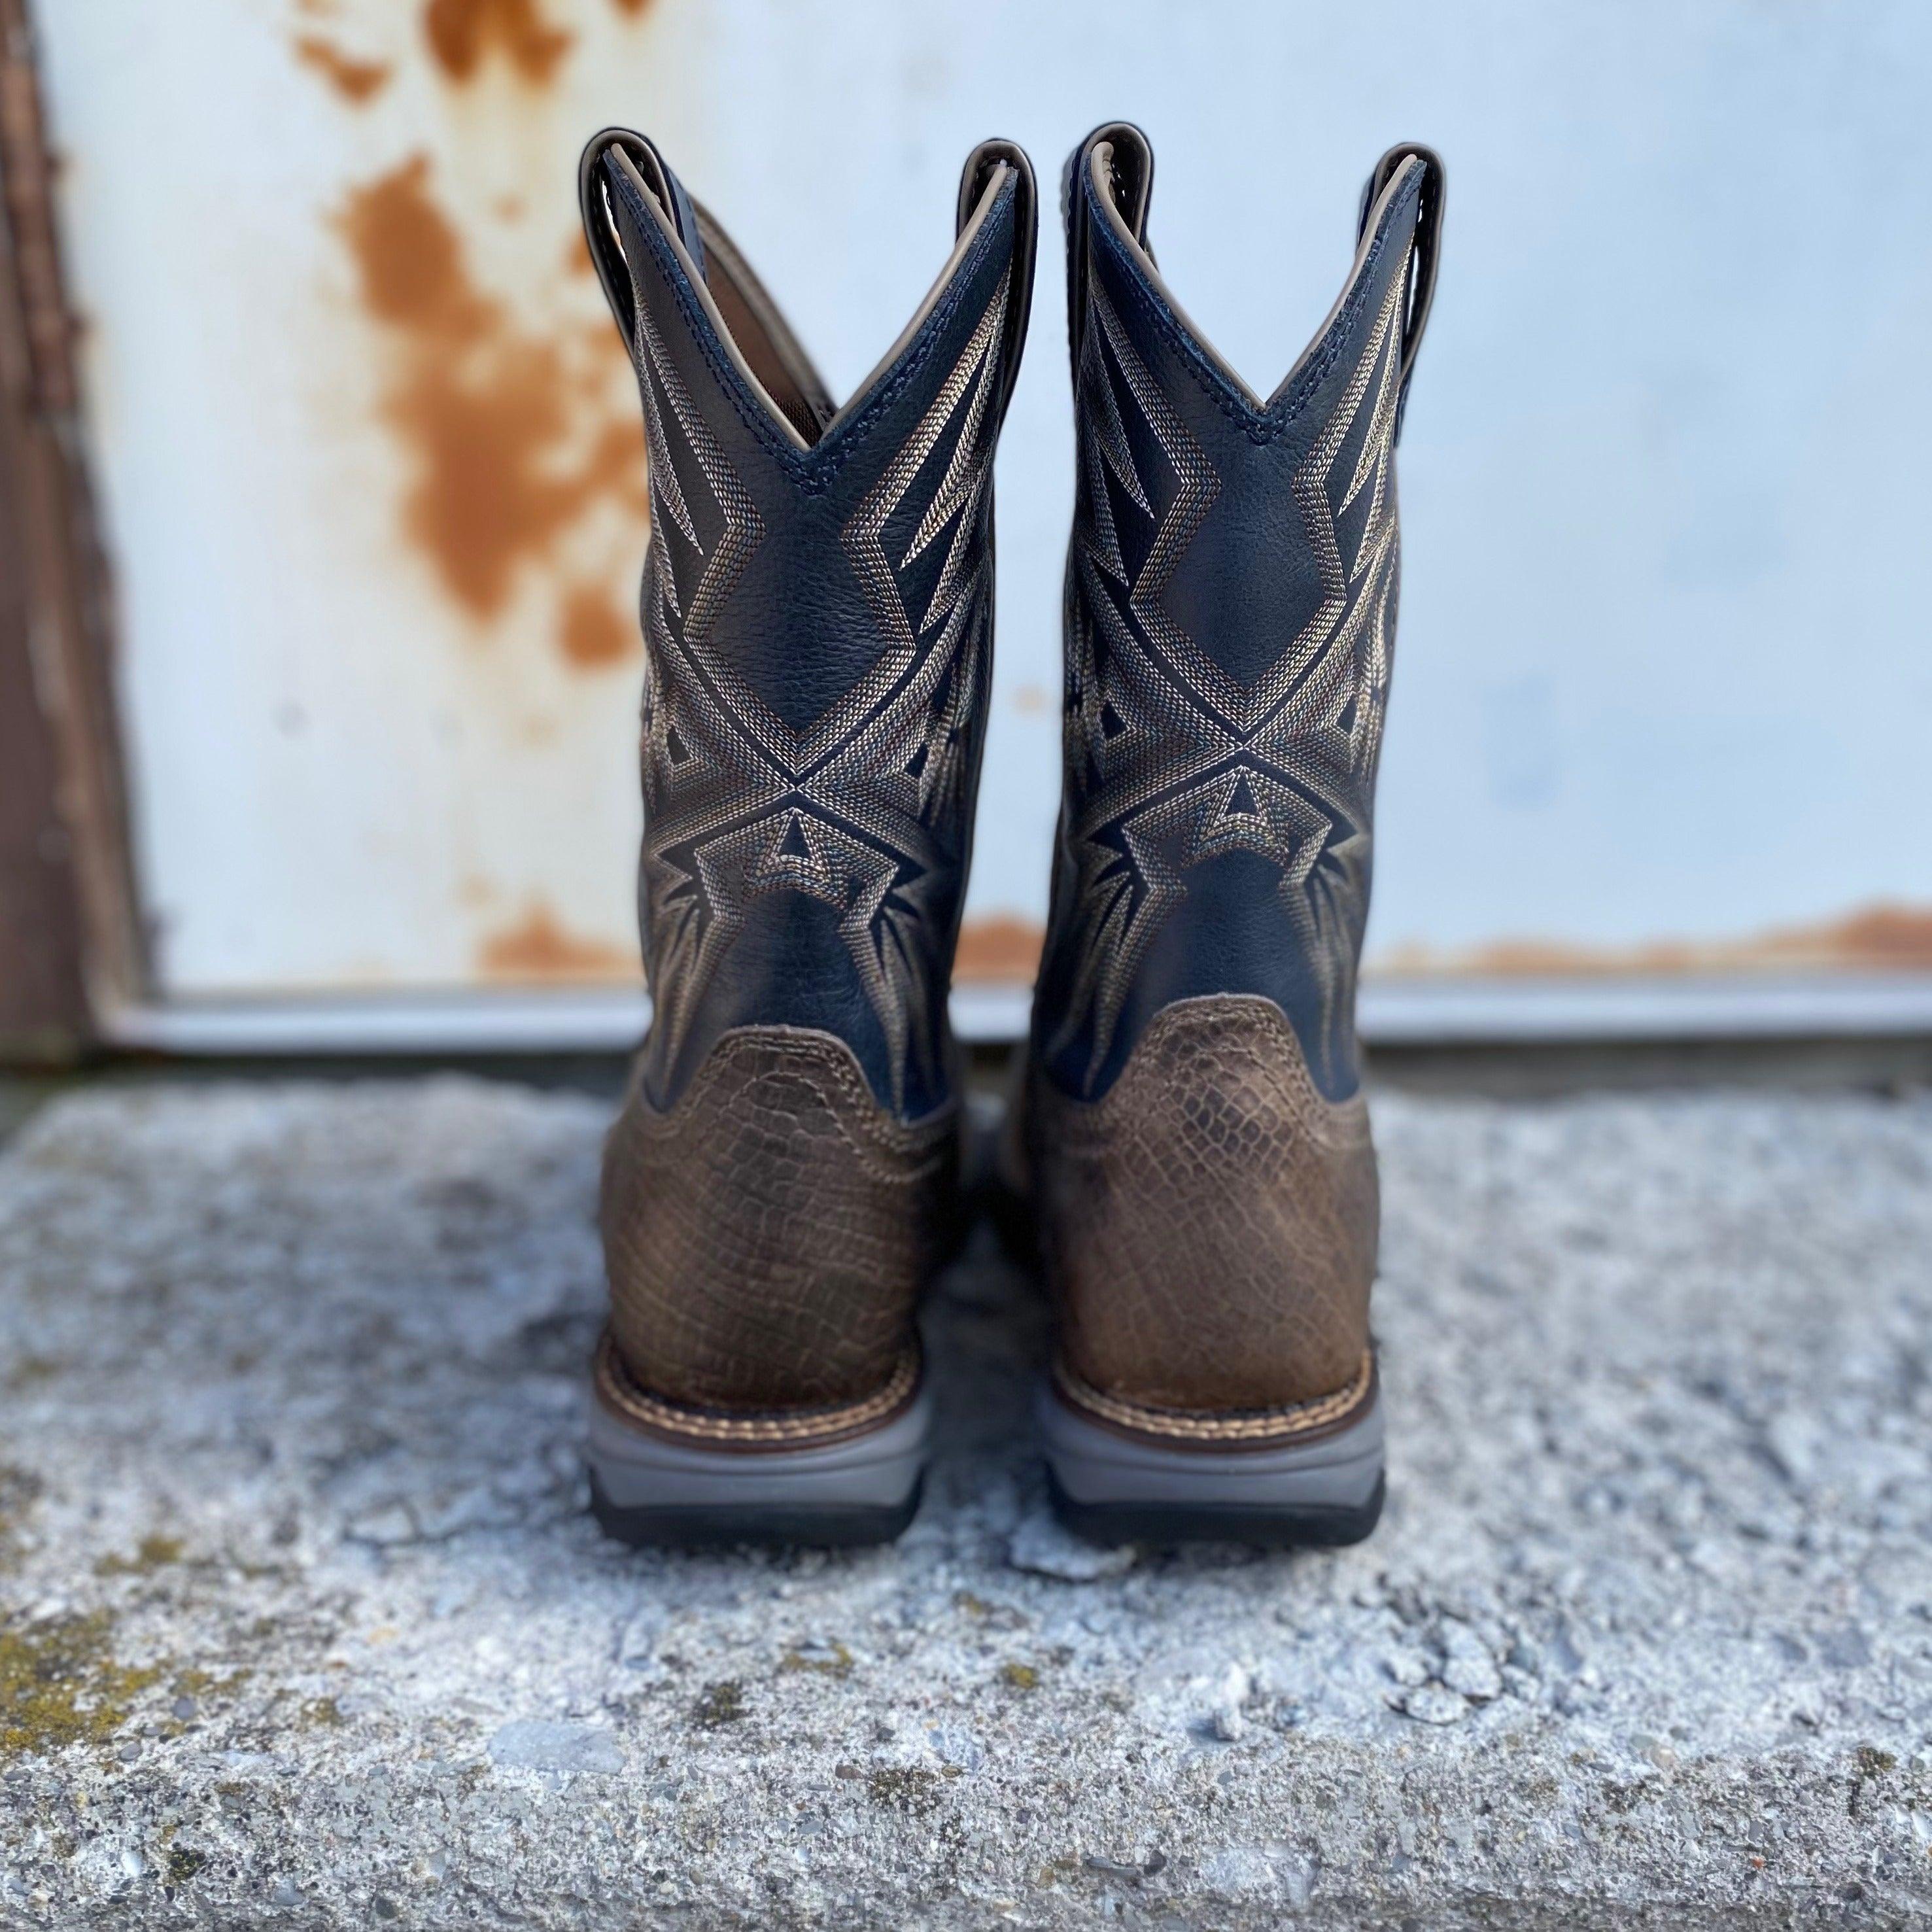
(372, 469)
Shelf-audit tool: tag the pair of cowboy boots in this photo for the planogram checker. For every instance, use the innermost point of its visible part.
(1191, 1144)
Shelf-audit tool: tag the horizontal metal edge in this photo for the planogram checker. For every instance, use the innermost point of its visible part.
(1406, 1011)
(579, 1020)
(1505, 1009)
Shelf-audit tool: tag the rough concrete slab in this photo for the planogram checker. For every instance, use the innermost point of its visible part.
(304, 1624)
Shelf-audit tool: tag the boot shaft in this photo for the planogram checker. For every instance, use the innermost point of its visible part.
(1198, 1148)
(817, 613)
(1231, 600)
(818, 619)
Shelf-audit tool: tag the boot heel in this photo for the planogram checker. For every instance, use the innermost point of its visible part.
(649, 1487)
(1112, 1484)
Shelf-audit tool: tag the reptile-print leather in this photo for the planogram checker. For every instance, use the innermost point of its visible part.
(766, 1237)
(1209, 1227)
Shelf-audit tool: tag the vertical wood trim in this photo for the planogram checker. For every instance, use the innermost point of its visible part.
(71, 945)
(43, 1010)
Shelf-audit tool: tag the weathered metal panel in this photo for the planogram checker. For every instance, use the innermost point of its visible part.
(376, 483)
(373, 469)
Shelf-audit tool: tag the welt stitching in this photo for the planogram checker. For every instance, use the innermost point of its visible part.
(1250, 1426)
(614, 1380)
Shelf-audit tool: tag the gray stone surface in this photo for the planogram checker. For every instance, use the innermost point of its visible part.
(301, 1623)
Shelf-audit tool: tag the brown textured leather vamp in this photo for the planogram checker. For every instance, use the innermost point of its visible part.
(767, 1236)
(1210, 1226)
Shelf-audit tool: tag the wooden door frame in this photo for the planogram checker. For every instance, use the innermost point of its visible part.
(72, 951)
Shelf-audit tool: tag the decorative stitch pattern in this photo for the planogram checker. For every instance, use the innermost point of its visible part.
(864, 809)
(1170, 760)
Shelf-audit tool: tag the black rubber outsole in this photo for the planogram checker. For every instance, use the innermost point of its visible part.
(1311, 1526)
(693, 1527)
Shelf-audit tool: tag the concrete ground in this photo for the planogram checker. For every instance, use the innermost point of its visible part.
(302, 1623)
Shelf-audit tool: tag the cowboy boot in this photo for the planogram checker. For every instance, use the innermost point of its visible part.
(1202, 1173)
(817, 623)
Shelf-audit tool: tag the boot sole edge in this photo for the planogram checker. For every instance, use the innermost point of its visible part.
(1109, 1486)
(711, 1526)
(649, 1493)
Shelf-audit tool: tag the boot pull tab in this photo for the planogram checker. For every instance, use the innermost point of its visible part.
(980, 164)
(1423, 252)
(620, 148)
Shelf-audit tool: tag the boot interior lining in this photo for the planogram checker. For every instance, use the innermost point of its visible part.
(769, 347)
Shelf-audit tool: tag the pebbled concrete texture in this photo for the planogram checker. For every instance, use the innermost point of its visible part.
(302, 1624)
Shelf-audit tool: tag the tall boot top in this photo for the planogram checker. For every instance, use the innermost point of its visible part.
(817, 609)
(1232, 592)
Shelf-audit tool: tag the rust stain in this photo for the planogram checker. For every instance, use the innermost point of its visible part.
(1885, 934)
(358, 82)
(463, 33)
(1881, 937)
(509, 442)
(593, 633)
(413, 274)
(539, 947)
(632, 9)
(1001, 949)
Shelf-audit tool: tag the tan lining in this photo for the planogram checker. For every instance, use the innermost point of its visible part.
(1100, 163)
(762, 333)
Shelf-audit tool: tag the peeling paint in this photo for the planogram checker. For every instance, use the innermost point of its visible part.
(358, 81)
(1001, 948)
(464, 33)
(537, 947)
(508, 432)
(1887, 937)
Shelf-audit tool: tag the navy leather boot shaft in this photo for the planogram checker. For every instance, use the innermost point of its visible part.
(1231, 606)
(818, 615)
